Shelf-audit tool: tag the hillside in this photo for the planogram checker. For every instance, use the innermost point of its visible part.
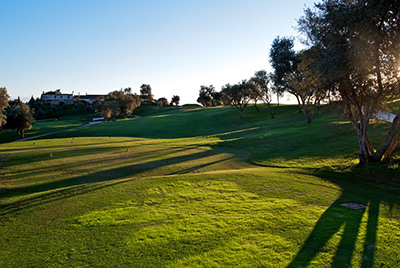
(195, 187)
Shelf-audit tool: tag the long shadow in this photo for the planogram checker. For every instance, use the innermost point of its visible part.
(196, 168)
(51, 191)
(59, 154)
(53, 196)
(346, 214)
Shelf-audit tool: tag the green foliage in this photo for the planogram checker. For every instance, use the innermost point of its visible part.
(3, 105)
(40, 113)
(145, 93)
(88, 109)
(206, 95)
(19, 117)
(263, 90)
(119, 102)
(284, 60)
(32, 102)
(162, 102)
(358, 46)
(65, 106)
(238, 95)
(175, 100)
(76, 108)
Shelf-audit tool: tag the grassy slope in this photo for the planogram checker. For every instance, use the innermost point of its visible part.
(47, 126)
(197, 187)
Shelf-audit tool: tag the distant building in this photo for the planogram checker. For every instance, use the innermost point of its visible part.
(55, 97)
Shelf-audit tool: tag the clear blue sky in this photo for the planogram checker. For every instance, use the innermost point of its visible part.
(96, 46)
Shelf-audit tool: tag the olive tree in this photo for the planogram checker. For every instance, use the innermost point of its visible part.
(284, 60)
(19, 117)
(238, 95)
(264, 90)
(206, 95)
(145, 93)
(175, 100)
(359, 44)
(162, 102)
(119, 102)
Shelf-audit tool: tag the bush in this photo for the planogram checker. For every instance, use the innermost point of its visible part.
(76, 108)
(40, 113)
(88, 109)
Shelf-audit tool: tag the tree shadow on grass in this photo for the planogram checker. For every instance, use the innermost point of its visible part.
(343, 219)
(32, 195)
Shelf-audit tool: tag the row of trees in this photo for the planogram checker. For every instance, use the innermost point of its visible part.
(239, 95)
(294, 73)
(352, 60)
(124, 102)
(147, 96)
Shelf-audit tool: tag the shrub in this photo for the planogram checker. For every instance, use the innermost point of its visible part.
(88, 109)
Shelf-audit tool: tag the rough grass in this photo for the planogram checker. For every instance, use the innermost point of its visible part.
(198, 188)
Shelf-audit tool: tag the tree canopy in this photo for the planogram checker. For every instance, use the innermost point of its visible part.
(19, 117)
(206, 95)
(238, 95)
(284, 60)
(119, 102)
(358, 43)
(145, 93)
(175, 100)
(162, 102)
(3, 105)
(263, 90)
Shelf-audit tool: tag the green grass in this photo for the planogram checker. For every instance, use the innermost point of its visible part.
(44, 126)
(195, 187)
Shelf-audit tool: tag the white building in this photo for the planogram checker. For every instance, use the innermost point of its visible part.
(55, 97)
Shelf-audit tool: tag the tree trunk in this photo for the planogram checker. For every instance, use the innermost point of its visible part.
(299, 103)
(255, 105)
(391, 148)
(274, 111)
(363, 154)
(240, 114)
(369, 144)
(270, 111)
(390, 141)
(308, 115)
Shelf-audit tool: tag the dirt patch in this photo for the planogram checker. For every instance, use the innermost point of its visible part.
(355, 206)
